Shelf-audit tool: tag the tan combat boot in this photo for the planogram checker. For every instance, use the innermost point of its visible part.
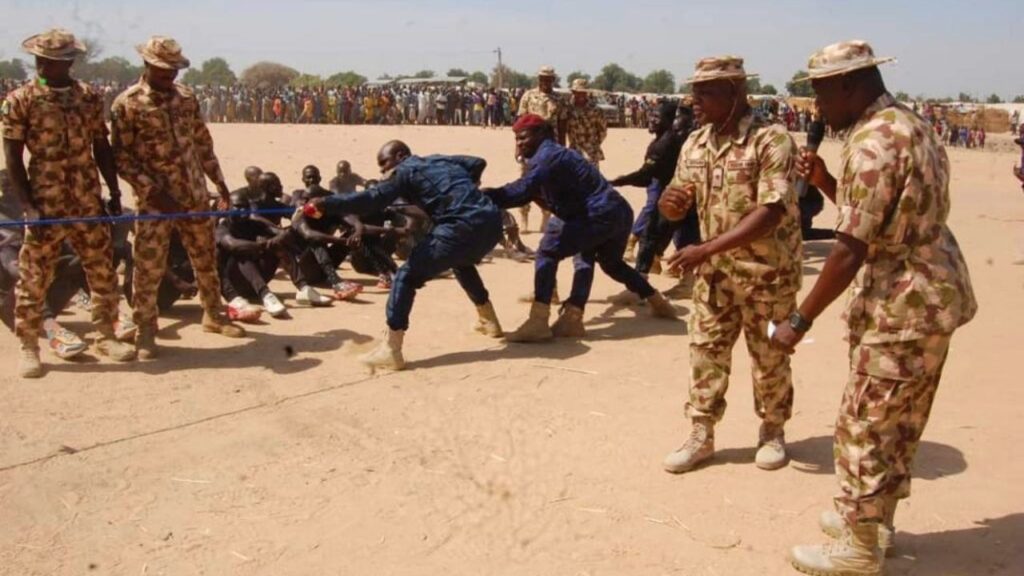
(535, 329)
(771, 447)
(856, 553)
(29, 365)
(145, 342)
(832, 524)
(487, 321)
(528, 298)
(625, 298)
(683, 290)
(569, 323)
(217, 324)
(661, 308)
(110, 346)
(699, 447)
(387, 354)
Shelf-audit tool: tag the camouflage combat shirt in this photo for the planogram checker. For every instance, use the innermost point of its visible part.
(893, 195)
(58, 127)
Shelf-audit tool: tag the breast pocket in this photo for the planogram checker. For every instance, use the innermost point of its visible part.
(741, 182)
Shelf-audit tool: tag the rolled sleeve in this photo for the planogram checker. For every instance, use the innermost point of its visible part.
(870, 195)
(15, 120)
(775, 179)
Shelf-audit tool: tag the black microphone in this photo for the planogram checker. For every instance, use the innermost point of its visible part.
(815, 134)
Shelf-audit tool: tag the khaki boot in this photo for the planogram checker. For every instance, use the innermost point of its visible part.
(145, 342)
(528, 298)
(630, 255)
(108, 345)
(832, 524)
(217, 324)
(655, 266)
(771, 447)
(856, 553)
(29, 365)
(661, 308)
(535, 329)
(683, 290)
(625, 298)
(699, 447)
(387, 354)
(487, 321)
(569, 323)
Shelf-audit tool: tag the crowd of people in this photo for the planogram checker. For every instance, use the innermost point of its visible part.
(721, 181)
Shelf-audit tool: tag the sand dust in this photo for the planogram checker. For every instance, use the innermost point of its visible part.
(230, 457)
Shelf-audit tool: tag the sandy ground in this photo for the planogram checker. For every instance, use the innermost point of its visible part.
(230, 457)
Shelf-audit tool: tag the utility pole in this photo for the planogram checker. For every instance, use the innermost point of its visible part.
(500, 69)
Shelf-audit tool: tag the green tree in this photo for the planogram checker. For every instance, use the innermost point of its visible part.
(457, 73)
(796, 88)
(1018, 99)
(509, 78)
(769, 89)
(965, 97)
(754, 86)
(686, 88)
(902, 96)
(478, 78)
(576, 74)
(994, 99)
(13, 69)
(217, 72)
(613, 78)
(659, 82)
(306, 81)
(424, 74)
(347, 78)
(268, 74)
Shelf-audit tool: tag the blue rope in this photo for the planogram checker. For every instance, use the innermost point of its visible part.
(136, 217)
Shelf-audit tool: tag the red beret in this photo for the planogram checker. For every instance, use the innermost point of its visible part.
(529, 121)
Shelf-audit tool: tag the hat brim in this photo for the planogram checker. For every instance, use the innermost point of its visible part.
(154, 60)
(700, 79)
(872, 63)
(66, 55)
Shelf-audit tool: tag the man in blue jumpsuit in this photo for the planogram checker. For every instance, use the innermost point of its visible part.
(592, 220)
(467, 226)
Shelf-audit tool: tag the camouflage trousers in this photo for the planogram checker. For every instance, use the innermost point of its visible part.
(152, 238)
(718, 317)
(885, 408)
(37, 262)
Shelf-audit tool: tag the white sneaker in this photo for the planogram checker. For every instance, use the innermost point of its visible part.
(308, 296)
(240, 309)
(273, 306)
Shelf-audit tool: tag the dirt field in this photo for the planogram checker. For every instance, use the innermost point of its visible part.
(232, 457)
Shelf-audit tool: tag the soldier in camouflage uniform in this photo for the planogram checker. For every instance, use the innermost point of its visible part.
(737, 169)
(586, 126)
(911, 292)
(60, 122)
(546, 103)
(165, 152)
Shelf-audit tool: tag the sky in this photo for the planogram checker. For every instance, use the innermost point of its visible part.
(943, 47)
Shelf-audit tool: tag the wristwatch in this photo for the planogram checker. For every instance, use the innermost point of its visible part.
(799, 323)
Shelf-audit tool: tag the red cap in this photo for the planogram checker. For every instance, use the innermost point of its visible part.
(529, 121)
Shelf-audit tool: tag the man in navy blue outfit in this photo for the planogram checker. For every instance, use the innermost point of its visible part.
(591, 219)
(467, 225)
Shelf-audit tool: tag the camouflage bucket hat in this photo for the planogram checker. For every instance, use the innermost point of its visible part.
(579, 85)
(55, 44)
(163, 52)
(546, 71)
(719, 68)
(842, 58)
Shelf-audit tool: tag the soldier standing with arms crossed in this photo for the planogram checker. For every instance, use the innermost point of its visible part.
(738, 169)
(911, 292)
(165, 152)
(60, 121)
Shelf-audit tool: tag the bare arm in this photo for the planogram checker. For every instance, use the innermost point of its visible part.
(104, 155)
